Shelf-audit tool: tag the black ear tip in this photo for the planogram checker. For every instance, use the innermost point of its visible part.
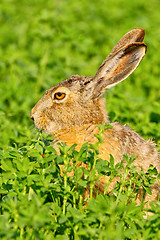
(141, 35)
(141, 30)
(134, 35)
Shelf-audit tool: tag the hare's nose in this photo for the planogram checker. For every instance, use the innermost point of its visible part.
(31, 117)
(32, 114)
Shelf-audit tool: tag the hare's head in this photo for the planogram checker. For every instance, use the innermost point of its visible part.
(79, 100)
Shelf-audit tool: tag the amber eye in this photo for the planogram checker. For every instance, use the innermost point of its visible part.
(59, 95)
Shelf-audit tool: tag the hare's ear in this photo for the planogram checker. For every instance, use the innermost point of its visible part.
(133, 36)
(120, 63)
(116, 68)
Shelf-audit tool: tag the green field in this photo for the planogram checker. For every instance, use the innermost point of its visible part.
(43, 42)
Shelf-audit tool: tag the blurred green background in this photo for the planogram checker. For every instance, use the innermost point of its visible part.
(43, 42)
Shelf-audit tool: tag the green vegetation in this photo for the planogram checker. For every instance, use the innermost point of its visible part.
(43, 42)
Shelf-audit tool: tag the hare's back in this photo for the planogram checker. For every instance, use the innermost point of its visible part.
(122, 140)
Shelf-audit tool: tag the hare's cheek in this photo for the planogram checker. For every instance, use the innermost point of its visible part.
(50, 127)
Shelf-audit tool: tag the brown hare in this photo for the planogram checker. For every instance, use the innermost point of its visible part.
(72, 110)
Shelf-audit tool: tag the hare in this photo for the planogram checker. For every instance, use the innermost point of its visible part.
(73, 108)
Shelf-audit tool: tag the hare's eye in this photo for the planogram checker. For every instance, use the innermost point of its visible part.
(59, 95)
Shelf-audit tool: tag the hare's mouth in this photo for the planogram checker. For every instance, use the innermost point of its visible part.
(40, 123)
(45, 125)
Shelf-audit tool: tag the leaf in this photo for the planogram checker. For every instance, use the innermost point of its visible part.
(7, 165)
(61, 237)
(31, 193)
(83, 182)
(152, 170)
(62, 219)
(78, 173)
(34, 153)
(111, 161)
(148, 190)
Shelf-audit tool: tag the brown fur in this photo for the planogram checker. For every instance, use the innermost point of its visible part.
(74, 118)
